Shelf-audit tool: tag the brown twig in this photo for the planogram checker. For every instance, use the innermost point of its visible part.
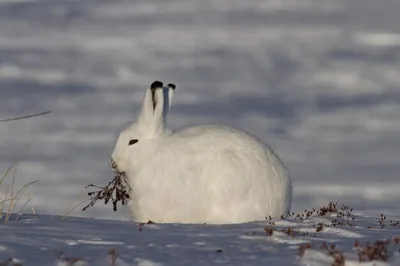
(117, 190)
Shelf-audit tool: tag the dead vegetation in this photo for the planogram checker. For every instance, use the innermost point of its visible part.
(24, 117)
(342, 217)
(329, 249)
(116, 191)
(77, 261)
(371, 252)
(383, 222)
(141, 225)
(367, 252)
(12, 195)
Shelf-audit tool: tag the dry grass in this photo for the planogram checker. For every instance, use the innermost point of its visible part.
(73, 207)
(13, 195)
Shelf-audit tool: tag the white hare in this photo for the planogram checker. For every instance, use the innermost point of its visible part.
(203, 174)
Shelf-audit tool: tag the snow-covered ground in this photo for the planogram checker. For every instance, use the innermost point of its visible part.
(41, 240)
(317, 79)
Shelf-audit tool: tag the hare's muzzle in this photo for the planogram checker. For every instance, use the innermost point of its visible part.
(113, 165)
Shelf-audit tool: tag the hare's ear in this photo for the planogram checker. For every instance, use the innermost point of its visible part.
(156, 107)
(168, 95)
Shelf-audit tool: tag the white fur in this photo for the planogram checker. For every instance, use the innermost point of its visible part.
(204, 174)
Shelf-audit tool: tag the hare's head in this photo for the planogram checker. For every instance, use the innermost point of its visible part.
(140, 139)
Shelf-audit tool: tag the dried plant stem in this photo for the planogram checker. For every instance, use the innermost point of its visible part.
(72, 207)
(14, 200)
(25, 116)
(116, 190)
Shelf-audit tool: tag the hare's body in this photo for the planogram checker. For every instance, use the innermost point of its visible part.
(210, 174)
(203, 174)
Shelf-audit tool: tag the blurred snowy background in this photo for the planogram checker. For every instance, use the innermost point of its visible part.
(319, 80)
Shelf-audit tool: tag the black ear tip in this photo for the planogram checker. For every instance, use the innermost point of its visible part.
(172, 86)
(156, 84)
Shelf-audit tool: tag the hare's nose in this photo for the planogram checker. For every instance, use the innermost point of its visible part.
(113, 164)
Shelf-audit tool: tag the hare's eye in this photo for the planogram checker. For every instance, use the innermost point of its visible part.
(133, 141)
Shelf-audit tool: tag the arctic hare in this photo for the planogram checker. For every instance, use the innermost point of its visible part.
(203, 174)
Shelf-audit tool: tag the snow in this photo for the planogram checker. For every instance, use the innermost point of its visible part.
(317, 79)
(39, 240)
